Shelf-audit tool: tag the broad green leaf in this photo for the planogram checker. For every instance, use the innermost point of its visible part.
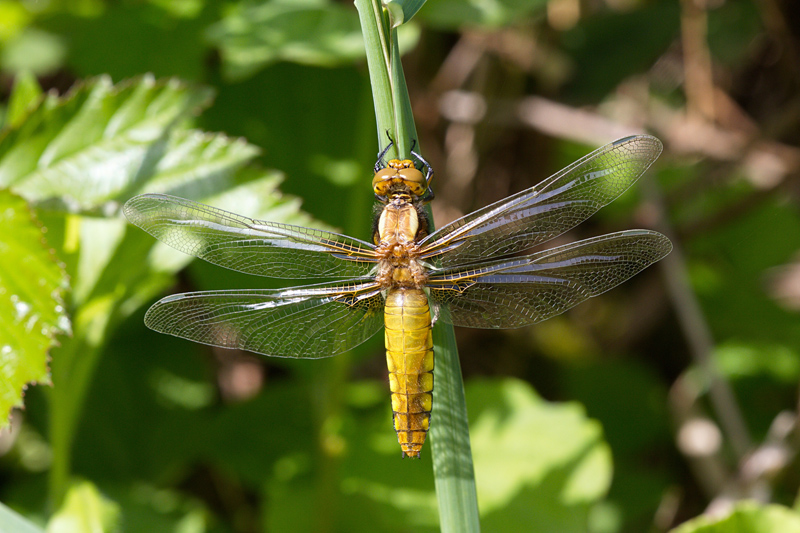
(85, 510)
(538, 466)
(32, 282)
(193, 163)
(90, 151)
(747, 517)
(13, 522)
(96, 143)
(453, 14)
(24, 96)
(312, 32)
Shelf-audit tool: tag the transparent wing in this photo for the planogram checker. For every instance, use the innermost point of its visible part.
(305, 322)
(521, 291)
(547, 210)
(248, 245)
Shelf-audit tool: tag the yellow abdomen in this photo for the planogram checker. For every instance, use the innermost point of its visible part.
(409, 355)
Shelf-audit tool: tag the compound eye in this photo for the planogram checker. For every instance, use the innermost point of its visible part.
(414, 179)
(382, 180)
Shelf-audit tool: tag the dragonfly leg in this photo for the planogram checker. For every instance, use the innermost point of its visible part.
(379, 164)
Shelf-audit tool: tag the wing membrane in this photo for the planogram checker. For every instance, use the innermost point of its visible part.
(248, 245)
(305, 322)
(521, 291)
(547, 210)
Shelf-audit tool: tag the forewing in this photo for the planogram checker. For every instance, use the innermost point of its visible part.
(247, 245)
(547, 210)
(304, 322)
(522, 291)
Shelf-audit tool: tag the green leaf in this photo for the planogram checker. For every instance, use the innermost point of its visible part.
(24, 97)
(194, 164)
(90, 151)
(311, 32)
(452, 14)
(539, 466)
(747, 517)
(11, 521)
(402, 11)
(94, 144)
(84, 509)
(31, 307)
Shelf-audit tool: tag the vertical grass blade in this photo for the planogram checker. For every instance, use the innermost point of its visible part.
(449, 436)
(378, 47)
(452, 456)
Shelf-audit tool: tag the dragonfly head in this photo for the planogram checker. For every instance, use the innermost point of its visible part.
(399, 175)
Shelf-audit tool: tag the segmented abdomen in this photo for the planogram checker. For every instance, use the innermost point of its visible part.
(409, 355)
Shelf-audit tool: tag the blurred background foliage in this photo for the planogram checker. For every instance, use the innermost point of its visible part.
(670, 397)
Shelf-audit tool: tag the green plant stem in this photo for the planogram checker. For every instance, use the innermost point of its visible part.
(452, 458)
(73, 366)
(327, 388)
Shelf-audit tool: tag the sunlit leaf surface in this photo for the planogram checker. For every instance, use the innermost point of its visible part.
(85, 509)
(31, 307)
(24, 98)
(747, 517)
(538, 465)
(98, 143)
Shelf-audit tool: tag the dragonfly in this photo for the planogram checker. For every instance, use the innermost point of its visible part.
(469, 272)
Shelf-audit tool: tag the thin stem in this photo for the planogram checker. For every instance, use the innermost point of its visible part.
(73, 367)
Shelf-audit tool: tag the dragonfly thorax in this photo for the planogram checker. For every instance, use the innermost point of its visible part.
(398, 222)
(398, 230)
